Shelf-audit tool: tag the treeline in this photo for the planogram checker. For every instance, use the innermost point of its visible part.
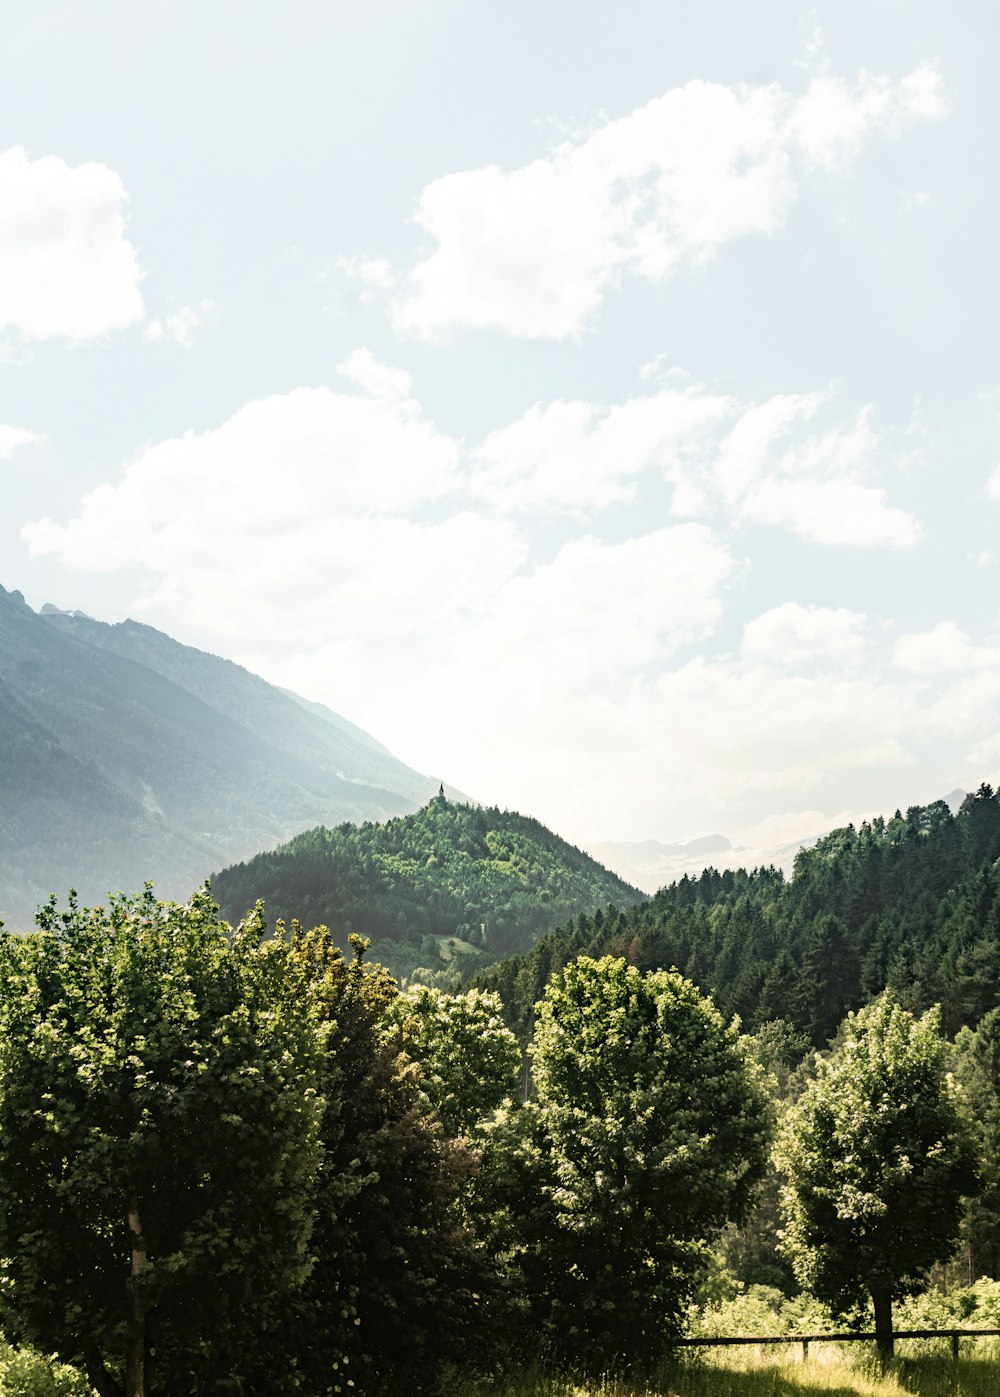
(911, 903)
(494, 880)
(236, 1163)
(240, 1164)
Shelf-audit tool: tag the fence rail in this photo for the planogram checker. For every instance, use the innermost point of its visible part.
(853, 1338)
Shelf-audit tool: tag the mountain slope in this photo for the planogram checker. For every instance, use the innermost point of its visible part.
(912, 902)
(303, 731)
(127, 757)
(490, 881)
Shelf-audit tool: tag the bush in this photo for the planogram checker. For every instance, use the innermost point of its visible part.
(760, 1310)
(25, 1373)
(972, 1307)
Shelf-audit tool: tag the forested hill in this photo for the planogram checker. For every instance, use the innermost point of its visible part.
(449, 881)
(126, 756)
(912, 902)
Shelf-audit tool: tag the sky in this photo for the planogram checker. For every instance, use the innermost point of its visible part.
(598, 403)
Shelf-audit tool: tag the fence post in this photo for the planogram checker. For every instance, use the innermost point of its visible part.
(805, 1350)
(954, 1344)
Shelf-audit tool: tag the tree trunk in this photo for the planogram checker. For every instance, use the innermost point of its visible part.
(882, 1301)
(135, 1356)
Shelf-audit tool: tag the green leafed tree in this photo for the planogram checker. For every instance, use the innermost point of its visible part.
(647, 1132)
(159, 1138)
(399, 1284)
(469, 1058)
(878, 1155)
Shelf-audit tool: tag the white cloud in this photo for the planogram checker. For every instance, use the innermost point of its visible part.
(341, 544)
(533, 251)
(993, 484)
(765, 463)
(328, 538)
(959, 687)
(834, 512)
(341, 484)
(542, 690)
(180, 325)
(578, 456)
(759, 728)
(13, 437)
(797, 827)
(815, 487)
(831, 122)
(942, 650)
(792, 635)
(644, 597)
(372, 451)
(292, 465)
(660, 369)
(380, 382)
(626, 752)
(986, 754)
(67, 268)
(375, 274)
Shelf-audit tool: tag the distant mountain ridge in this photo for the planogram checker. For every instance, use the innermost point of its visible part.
(651, 864)
(126, 756)
(451, 886)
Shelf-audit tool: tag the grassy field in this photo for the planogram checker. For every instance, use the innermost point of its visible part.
(831, 1371)
(451, 946)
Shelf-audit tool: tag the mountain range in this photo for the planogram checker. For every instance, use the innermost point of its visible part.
(127, 756)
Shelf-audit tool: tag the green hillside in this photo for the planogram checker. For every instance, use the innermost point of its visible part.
(450, 880)
(911, 902)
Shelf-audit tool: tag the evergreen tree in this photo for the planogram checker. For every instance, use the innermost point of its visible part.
(977, 1066)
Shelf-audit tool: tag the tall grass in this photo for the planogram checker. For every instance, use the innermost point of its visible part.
(833, 1370)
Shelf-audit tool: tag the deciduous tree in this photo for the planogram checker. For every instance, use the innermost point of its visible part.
(647, 1132)
(399, 1281)
(159, 1126)
(878, 1156)
(469, 1058)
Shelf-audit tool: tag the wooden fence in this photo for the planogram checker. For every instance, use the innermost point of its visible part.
(806, 1339)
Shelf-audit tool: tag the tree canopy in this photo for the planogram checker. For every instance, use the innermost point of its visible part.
(878, 1156)
(399, 1283)
(469, 1058)
(911, 902)
(235, 1161)
(646, 1131)
(159, 1120)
